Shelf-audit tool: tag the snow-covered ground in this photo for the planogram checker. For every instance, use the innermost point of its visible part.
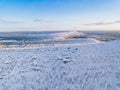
(70, 67)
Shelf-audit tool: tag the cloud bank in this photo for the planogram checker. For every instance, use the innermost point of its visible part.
(9, 21)
(43, 20)
(103, 23)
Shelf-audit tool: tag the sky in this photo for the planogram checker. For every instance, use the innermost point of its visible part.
(40, 15)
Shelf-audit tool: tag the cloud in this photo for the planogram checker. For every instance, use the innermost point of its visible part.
(9, 21)
(117, 21)
(40, 20)
(43, 20)
(102, 23)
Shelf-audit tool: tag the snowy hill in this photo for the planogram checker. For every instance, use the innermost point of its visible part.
(76, 67)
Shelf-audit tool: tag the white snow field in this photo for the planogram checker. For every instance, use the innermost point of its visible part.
(74, 67)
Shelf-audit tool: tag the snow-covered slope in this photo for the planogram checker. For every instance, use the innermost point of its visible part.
(86, 67)
(69, 35)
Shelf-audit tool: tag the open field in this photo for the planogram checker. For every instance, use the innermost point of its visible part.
(74, 67)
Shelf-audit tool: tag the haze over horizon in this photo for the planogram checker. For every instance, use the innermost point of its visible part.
(40, 15)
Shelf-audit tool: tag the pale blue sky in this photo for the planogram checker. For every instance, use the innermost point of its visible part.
(39, 15)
